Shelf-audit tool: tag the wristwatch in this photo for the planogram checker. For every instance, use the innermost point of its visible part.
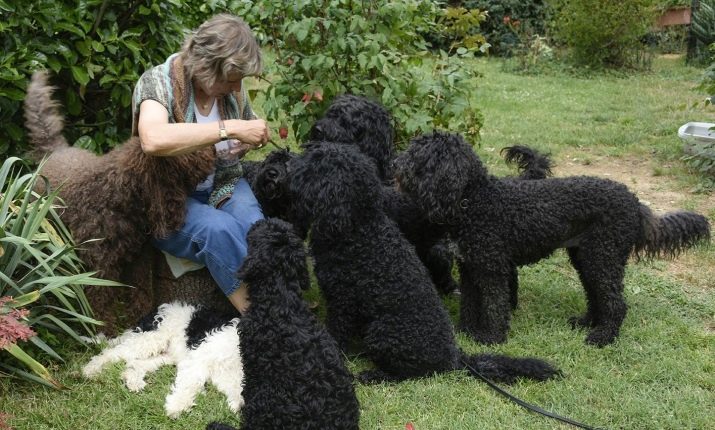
(222, 134)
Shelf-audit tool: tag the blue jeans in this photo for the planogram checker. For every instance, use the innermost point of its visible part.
(216, 237)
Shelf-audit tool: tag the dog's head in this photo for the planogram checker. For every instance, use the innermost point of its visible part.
(270, 183)
(275, 252)
(332, 185)
(435, 170)
(361, 122)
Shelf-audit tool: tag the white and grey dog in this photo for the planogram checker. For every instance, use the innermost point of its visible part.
(204, 347)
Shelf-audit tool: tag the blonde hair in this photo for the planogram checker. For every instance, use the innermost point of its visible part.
(220, 46)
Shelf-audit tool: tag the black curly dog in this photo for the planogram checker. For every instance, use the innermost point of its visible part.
(294, 372)
(374, 285)
(500, 225)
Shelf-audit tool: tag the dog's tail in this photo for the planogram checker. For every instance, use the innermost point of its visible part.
(501, 368)
(42, 117)
(670, 234)
(532, 164)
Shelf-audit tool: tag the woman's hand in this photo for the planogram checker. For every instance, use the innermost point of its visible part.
(254, 132)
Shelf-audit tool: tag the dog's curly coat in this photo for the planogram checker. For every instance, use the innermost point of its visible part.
(374, 285)
(294, 373)
(121, 198)
(502, 224)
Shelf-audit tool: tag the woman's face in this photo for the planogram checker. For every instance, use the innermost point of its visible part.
(220, 88)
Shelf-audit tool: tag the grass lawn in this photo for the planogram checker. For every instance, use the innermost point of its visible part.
(660, 373)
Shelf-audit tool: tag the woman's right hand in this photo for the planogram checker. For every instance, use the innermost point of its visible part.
(254, 132)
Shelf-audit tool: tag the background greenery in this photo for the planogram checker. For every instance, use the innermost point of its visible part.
(658, 374)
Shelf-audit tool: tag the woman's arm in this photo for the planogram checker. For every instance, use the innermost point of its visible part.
(161, 138)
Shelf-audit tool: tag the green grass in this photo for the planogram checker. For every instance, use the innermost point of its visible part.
(659, 374)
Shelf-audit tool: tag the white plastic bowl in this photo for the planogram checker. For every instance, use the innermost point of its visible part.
(693, 132)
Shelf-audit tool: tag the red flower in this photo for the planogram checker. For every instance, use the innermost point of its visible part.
(409, 426)
(12, 329)
(318, 96)
(306, 98)
(506, 20)
(283, 132)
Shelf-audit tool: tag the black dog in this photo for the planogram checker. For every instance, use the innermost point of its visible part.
(294, 372)
(502, 224)
(374, 285)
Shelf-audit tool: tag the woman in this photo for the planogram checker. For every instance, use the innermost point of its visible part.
(193, 101)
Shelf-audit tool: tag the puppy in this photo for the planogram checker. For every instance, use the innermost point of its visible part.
(500, 225)
(295, 375)
(202, 343)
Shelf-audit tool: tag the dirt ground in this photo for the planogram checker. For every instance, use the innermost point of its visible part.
(660, 192)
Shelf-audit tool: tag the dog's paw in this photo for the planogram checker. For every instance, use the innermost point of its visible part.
(487, 337)
(601, 336)
(235, 405)
(133, 380)
(91, 369)
(374, 376)
(176, 404)
(580, 321)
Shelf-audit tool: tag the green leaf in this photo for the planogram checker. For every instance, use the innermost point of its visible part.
(80, 75)
(32, 364)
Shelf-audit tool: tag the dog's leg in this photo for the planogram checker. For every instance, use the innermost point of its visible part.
(136, 370)
(228, 379)
(603, 270)
(438, 261)
(485, 307)
(191, 376)
(342, 325)
(127, 347)
(586, 320)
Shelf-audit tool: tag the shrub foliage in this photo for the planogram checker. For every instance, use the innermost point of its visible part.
(372, 48)
(506, 16)
(602, 33)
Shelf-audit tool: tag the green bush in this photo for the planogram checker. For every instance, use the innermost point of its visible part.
(97, 49)
(702, 29)
(504, 16)
(371, 48)
(602, 33)
(41, 278)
